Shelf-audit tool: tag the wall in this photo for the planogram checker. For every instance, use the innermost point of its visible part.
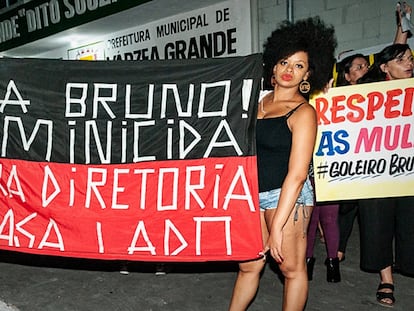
(359, 24)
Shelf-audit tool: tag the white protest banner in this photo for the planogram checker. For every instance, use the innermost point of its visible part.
(365, 143)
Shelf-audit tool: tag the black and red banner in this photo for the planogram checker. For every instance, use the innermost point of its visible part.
(151, 160)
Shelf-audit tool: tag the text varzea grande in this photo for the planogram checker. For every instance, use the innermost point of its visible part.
(215, 44)
(85, 102)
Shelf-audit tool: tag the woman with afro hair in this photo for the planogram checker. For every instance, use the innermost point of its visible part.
(298, 60)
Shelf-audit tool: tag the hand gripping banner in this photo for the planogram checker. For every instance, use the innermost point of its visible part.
(148, 161)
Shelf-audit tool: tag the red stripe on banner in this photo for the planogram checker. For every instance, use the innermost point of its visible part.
(181, 210)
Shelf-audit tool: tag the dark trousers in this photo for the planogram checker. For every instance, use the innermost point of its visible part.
(348, 211)
(383, 223)
(327, 215)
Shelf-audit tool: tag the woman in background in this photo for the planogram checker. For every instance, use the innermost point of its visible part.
(350, 70)
(385, 221)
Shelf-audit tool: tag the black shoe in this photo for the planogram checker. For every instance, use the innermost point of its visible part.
(386, 298)
(310, 263)
(333, 274)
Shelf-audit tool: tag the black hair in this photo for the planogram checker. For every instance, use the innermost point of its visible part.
(390, 52)
(344, 66)
(311, 36)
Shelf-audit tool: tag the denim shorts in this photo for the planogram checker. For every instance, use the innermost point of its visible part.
(270, 199)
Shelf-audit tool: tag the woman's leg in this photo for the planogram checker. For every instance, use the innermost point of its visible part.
(404, 235)
(246, 285)
(329, 221)
(293, 266)
(248, 277)
(386, 278)
(311, 237)
(328, 216)
(377, 229)
(346, 217)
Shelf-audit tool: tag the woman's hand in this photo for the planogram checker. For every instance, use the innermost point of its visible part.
(328, 86)
(403, 13)
(274, 245)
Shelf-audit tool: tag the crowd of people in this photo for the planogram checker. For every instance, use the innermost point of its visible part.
(298, 60)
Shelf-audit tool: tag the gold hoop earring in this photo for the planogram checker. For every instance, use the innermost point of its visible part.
(304, 87)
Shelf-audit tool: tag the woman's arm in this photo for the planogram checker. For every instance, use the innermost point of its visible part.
(400, 36)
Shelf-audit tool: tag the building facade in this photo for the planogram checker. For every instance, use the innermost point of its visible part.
(359, 25)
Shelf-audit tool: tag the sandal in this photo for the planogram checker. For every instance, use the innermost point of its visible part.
(384, 297)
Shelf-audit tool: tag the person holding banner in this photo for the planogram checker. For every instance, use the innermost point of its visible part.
(350, 70)
(385, 222)
(300, 57)
(393, 62)
(354, 66)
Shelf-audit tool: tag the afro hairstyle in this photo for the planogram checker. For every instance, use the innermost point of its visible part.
(309, 35)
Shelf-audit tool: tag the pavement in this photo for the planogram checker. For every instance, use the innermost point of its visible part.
(41, 283)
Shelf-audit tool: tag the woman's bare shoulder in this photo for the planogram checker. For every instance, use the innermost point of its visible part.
(304, 115)
(305, 108)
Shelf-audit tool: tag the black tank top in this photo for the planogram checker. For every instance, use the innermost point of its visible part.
(274, 142)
